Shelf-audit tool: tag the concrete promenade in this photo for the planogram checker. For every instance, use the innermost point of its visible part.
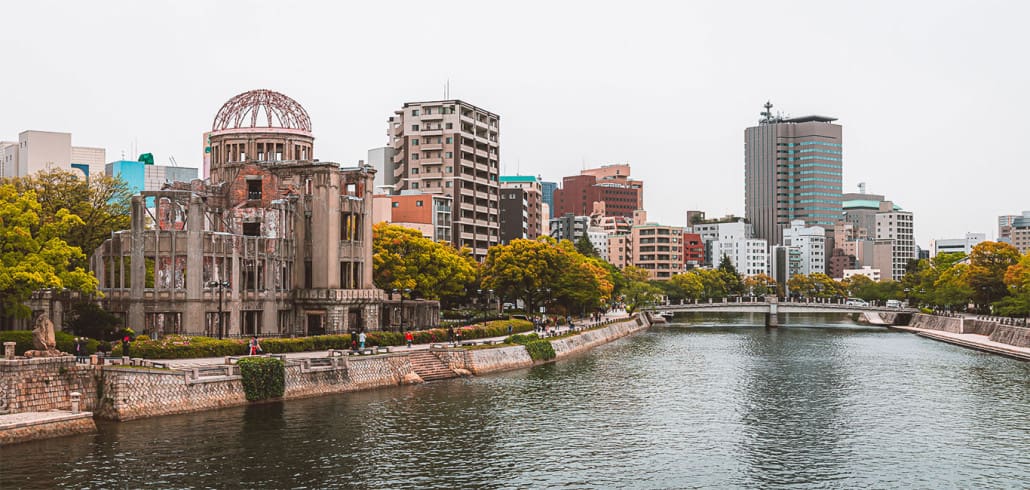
(554, 331)
(971, 341)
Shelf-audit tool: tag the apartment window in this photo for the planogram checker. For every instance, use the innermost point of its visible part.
(449, 139)
(414, 185)
(448, 169)
(449, 184)
(414, 142)
(414, 112)
(418, 204)
(396, 204)
(414, 156)
(449, 126)
(449, 155)
(414, 127)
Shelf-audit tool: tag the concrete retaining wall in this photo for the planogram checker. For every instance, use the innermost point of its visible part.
(933, 322)
(134, 393)
(47, 427)
(500, 359)
(1012, 335)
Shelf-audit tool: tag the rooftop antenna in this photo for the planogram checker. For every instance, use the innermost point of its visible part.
(447, 89)
(767, 113)
(861, 187)
(171, 158)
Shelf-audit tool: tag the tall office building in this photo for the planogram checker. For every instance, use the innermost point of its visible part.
(452, 147)
(792, 171)
(609, 184)
(547, 189)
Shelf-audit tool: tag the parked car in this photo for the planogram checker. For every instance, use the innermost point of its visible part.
(856, 302)
(893, 303)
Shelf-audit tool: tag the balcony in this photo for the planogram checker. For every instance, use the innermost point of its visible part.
(339, 295)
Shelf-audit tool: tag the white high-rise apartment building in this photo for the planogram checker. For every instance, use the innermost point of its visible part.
(750, 256)
(452, 147)
(811, 242)
(894, 224)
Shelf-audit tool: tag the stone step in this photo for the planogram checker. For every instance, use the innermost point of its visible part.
(429, 367)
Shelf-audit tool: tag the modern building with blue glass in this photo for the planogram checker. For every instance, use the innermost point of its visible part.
(142, 176)
(547, 189)
(792, 171)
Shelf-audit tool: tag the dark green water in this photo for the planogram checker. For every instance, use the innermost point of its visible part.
(819, 403)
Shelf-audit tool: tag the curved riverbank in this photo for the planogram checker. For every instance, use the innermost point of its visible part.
(124, 393)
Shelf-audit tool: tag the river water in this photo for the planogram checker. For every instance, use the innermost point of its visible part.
(707, 402)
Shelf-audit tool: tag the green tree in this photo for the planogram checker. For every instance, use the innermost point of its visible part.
(734, 285)
(1017, 280)
(952, 288)
(714, 282)
(526, 269)
(33, 255)
(403, 259)
(988, 263)
(760, 285)
(102, 205)
(89, 320)
(585, 247)
(687, 285)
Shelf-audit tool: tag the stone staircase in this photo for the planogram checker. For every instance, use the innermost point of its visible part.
(429, 367)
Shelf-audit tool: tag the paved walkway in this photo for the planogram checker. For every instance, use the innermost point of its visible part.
(971, 340)
(218, 361)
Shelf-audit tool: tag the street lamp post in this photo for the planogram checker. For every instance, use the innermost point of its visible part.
(483, 300)
(222, 286)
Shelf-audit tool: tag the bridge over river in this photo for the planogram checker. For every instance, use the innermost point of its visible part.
(774, 307)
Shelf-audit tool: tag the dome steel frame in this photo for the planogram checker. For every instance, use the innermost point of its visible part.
(274, 108)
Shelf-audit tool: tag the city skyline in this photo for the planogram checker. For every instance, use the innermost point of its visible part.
(905, 87)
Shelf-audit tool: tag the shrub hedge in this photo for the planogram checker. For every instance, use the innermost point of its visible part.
(263, 377)
(179, 347)
(521, 339)
(540, 350)
(23, 339)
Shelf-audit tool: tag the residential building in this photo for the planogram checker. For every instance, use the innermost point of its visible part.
(452, 147)
(287, 241)
(867, 271)
(750, 256)
(729, 228)
(44, 150)
(142, 176)
(620, 250)
(792, 170)
(811, 242)
(1019, 232)
(599, 240)
(569, 227)
(784, 263)
(961, 245)
(525, 191)
(876, 253)
(658, 249)
(693, 251)
(428, 213)
(839, 260)
(894, 224)
(610, 184)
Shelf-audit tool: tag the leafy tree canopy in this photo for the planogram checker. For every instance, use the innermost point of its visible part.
(403, 259)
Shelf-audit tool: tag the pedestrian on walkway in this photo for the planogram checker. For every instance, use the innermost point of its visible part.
(510, 329)
(361, 340)
(457, 337)
(78, 350)
(450, 335)
(409, 337)
(125, 345)
(255, 346)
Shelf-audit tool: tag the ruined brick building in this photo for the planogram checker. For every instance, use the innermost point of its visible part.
(279, 241)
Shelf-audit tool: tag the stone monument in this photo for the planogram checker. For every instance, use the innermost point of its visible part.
(43, 338)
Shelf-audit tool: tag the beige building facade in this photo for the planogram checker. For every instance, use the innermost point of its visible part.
(452, 147)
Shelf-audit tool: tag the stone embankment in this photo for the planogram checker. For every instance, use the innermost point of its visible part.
(43, 386)
(986, 335)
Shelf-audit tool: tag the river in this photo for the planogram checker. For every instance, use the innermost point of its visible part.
(708, 401)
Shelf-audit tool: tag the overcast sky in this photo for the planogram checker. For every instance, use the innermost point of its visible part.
(932, 95)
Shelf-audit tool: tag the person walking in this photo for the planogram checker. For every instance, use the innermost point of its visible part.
(457, 337)
(255, 346)
(510, 328)
(78, 350)
(361, 341)
(409, 337)
(450, 335)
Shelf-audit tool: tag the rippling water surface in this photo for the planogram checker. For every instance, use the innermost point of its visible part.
(707, 402)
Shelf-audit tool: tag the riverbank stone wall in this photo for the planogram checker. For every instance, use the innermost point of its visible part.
(44, 383)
